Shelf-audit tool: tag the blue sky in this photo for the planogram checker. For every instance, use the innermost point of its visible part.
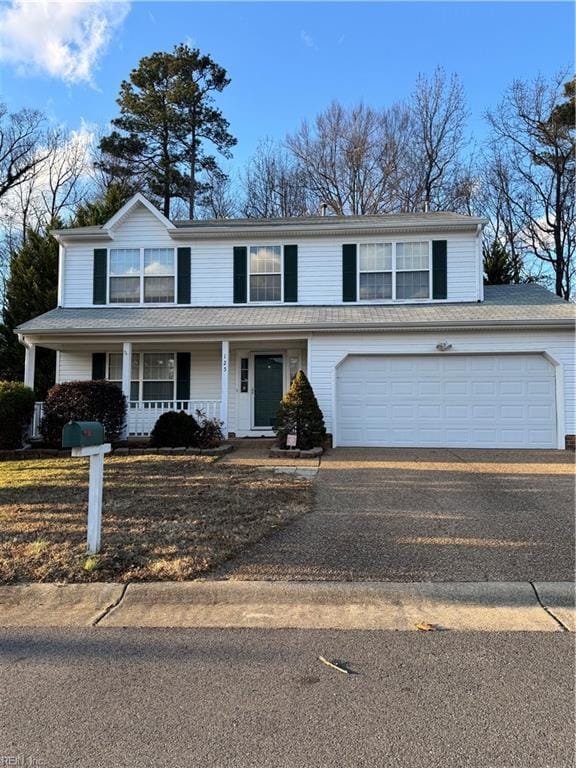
(287, 61)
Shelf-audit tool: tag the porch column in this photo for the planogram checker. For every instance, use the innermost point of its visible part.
(126, 368)
(29, 364)
(126, 379)
(224, 387)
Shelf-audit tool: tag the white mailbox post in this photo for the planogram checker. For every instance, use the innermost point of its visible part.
(86, 438)
(96, 454)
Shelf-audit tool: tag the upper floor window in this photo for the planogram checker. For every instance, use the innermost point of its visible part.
(142, 275)
(375, 271)
(399, 271)
(413, 270)
(265, 273)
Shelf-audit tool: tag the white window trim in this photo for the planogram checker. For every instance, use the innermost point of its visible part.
(140, 357)
(394, 300)
(250, 273)
(141, 276)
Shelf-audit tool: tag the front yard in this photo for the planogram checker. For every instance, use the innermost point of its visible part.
(164, 517)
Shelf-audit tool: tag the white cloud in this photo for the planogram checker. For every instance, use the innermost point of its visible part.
(307, 39)
(61, 38)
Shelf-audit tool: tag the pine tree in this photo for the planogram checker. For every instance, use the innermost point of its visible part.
(31, 290)
(300, 414)
(499, 268)
(102, 208)
(167, 120)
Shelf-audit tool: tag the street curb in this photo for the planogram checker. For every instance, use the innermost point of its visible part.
(462, 606)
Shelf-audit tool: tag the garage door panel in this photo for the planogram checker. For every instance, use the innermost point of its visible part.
(459, 401)
(511, 388)
(537, 387)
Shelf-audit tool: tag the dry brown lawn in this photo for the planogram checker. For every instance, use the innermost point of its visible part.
(164, 517)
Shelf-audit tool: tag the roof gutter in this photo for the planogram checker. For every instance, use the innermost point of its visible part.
(561, 323)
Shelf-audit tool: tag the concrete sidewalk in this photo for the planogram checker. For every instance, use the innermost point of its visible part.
(468, 606)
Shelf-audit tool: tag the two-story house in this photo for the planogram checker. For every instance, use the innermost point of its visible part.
(388, 316)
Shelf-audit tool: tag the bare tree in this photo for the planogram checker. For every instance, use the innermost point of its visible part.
(64, 175)
(438, 117)
(219, 200)
(60, 182)
(351, 157)
(536, 146)
(20, 140)
(274, 185)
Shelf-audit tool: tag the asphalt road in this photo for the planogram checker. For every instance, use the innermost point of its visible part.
(255, 698)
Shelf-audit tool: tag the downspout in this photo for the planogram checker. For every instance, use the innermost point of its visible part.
(60, 300)
(479, 264)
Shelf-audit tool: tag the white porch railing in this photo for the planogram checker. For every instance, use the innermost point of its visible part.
(36, 419)
(143, 414)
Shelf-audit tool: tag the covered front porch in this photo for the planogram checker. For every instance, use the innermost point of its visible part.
(238, 381)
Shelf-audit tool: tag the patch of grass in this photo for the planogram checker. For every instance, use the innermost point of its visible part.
(92, 563)
(164, 517)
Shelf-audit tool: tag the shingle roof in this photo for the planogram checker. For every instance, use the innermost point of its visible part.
(507, 304)
(385, 219)
(297, 226)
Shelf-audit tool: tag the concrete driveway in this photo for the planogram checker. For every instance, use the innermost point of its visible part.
(427, 515)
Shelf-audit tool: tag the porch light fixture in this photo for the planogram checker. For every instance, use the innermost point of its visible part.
(443, 346)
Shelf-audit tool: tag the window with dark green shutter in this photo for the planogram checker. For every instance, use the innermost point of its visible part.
(184, 275)
(240, 274)
(98, 366)
(99, 276)
(290, 273)
(349, 272)
(439, 269)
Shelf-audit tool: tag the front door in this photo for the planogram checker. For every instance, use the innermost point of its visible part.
(268, 389)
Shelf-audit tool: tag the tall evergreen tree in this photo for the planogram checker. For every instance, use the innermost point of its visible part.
(102, 208)
(499, 266)
(31, 290)
(167, 119)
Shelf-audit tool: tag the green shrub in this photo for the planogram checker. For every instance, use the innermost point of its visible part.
(300, 414)
(16, 411)
(174, 429)
(179, 429)
(83, 401)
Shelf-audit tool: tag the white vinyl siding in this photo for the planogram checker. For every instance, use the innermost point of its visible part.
(74, 366)
(319, 263)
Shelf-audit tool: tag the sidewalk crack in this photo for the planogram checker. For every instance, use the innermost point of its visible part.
(548, 611)
(108, 608)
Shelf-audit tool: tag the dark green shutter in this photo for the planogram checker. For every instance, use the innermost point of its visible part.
(290, 273)
(183, 376)
(184, 276)
(349, 273)
(98, 366)
(240, 274)
(99, 276)
(439, 269)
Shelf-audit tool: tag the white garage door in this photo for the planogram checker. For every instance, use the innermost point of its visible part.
(444, 400)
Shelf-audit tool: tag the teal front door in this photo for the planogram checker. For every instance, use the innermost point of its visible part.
(268, 389)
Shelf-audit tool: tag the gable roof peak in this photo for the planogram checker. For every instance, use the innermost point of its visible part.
(135, 200)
